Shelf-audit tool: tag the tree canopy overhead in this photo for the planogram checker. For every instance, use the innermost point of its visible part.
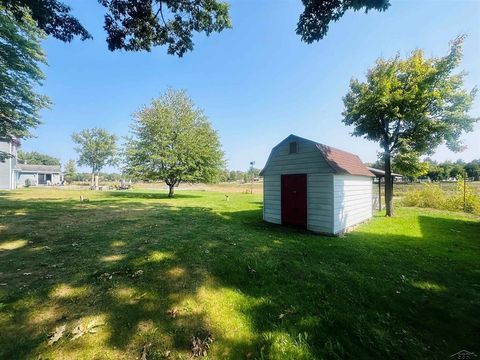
(132, 25)
(411, 106)
(173, 141)
(318, 14)
(136, 25)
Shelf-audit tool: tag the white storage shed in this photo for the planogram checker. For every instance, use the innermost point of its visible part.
(315, 186)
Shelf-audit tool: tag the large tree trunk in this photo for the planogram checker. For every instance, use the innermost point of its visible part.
(388, 185)
(92, 183)
(96, 181)
(171, 190)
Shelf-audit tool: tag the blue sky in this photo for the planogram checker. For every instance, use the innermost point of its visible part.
(257, 82)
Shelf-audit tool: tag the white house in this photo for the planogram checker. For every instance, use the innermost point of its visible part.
(315, 186)
(14, 174)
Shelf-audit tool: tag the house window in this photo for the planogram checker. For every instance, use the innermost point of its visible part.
(293, 147)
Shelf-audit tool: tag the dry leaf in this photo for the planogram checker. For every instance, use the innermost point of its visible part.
(137, 273)
(57, 334)
(146, 347)
(200, 347)
(77, 332)
(173, 312)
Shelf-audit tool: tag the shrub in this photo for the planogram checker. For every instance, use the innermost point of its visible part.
(432, 196)
(28, 183)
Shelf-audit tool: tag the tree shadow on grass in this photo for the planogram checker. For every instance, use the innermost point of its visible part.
(160, 275)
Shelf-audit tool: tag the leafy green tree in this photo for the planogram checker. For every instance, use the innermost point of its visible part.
(318, 14)
(173, 141)
(70, 171)
(409, 165)
(96, 148)
(135, 25)
(132, 25)
(473, 169)
(456, 171)
(410, 106)
(20, 73)
(36, 158)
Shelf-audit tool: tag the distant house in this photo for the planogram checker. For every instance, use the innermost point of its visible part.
(315, 186)
(14, 174)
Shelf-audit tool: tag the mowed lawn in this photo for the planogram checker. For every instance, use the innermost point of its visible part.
(128, 274)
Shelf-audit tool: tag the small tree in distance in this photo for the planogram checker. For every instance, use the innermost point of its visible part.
(96, 148)
(410, 107)
(36, 158)
(70, 171)
(173, 141)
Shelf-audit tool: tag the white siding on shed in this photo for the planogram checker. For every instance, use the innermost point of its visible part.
(272, 199)
(320, 202)
(352, 201)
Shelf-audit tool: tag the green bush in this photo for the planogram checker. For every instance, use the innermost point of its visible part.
(432, 196)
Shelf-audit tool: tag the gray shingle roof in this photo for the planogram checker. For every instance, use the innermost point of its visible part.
(39, 168)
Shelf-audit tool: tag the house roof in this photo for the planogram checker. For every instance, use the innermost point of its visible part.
(38, 168)
(381, 173)
(341, 162)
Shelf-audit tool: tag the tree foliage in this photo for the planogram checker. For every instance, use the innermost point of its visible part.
(20, 57)
(36, 158)
(410, 106)
(172, 141)
(133, 25)
(96, 148)
(70, 171)
(136, 25)
(318, 14)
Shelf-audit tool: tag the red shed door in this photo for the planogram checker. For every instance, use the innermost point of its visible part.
(294, 199)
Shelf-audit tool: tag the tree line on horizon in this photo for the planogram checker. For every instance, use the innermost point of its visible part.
(437, 170)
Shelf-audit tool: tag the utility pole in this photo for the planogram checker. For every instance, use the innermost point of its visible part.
(251, 173)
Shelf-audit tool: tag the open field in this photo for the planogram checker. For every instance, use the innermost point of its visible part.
(132, 272)
(399, 188)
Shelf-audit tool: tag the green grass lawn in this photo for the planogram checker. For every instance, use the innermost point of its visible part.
(134, 271)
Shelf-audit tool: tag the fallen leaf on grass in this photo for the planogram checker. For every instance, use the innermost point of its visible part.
(81, 330)
(173, 312)
(77, 332)
(57, 334)
(201, 347)
(146, 347)
(137, 273)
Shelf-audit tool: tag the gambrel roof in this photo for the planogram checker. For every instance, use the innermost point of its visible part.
(341, 162)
